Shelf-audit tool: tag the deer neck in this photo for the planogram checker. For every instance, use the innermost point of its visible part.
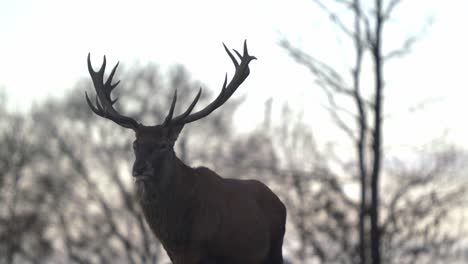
(170, 181)
(166, 201)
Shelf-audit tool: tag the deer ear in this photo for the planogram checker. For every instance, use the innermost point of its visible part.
(174, 131)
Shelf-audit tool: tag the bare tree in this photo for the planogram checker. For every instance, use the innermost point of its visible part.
(421, 220)
(61, 203)
(424, 196)
(26, 189)
(364, 32)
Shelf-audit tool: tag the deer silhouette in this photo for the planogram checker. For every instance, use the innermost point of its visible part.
(198, 216)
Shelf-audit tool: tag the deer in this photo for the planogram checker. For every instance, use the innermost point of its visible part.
(198, 216)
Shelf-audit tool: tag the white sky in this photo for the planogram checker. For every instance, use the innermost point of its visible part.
(43, 48)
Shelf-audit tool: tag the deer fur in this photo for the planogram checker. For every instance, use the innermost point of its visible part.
(199, 217)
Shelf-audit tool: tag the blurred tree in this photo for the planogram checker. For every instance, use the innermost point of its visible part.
(420, 209)
(91, 215)
(362, 24)
(26, 191)
(424, 206)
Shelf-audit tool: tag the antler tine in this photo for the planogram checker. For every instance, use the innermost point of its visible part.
(192, 105)
(171, 111)
(241, 72)
(104, 103)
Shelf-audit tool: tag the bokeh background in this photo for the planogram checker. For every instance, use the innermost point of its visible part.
(66, 193)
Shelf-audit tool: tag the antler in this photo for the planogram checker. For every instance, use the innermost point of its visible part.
(241, 73)
(104, 104)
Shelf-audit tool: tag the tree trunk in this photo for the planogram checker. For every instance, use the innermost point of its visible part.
(377, 137)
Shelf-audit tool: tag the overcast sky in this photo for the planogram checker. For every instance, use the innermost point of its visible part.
(43, 48)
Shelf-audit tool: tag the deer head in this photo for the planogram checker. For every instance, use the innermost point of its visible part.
(154, 145)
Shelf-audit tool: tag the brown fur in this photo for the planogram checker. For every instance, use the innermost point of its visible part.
(200, 217)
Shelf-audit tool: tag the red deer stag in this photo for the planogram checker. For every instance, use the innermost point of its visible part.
(198, 216)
